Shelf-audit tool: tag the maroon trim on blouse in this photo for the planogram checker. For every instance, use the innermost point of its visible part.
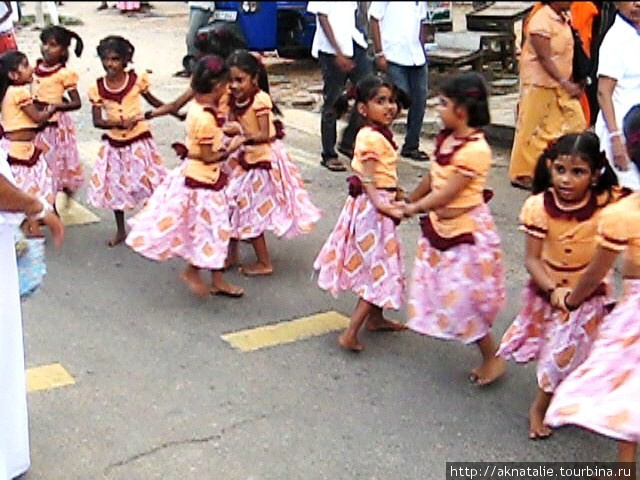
(443, 243)
(600, 291)
(385, 132)
(119, 95)
(356, 187)
(560, 268)
(581, 214)
(125, 143)
(29, 162)
(217, 186)
(41, 72)
(625, 192)
(262, 165)
(445, 158)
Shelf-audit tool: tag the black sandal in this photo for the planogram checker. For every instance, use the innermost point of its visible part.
(417, 155)
(334, 164)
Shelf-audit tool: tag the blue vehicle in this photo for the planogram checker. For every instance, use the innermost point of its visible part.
(266, 26)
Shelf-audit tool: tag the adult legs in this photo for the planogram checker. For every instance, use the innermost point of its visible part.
(333, 85)
(418, 78)
(198, 18)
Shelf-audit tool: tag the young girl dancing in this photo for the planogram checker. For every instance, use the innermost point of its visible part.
(363, 252)
(457, 286)
(602, 393)
(128, 167)
(572, 184)
(21, 121)
(267, 187)
(188, 214)
(52, 79)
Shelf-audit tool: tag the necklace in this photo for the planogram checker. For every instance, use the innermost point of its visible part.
(244, 104)
(120, 87)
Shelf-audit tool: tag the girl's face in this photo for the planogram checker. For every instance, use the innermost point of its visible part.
(571, 177)
(23, 74)
(242, 84)
(448, 112)
(52, 51)
(113, 63)
(381, 109)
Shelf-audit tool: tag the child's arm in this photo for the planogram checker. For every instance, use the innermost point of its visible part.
(156, 102)
(74, 102)
(172, 107)
(592, 277)
(535, 265)
(39, 116)
(423, 188)
(208, 155)
(440, 198)
(372, 192)
(263, 135)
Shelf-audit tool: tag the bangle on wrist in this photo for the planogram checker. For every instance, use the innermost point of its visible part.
(571, 308)
(615, 133)
(46, 209)
(148, 115)
(378, 54)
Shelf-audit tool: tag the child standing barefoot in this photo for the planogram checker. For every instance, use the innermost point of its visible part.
(267, 188)
(188, 214)
(129, 166)
(363, 252)
(560, 221)
(52, 80)
(21, 121)
(457, 284)
(602, 394)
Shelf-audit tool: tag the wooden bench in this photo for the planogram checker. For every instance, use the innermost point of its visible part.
(443, 57)
(485, 41)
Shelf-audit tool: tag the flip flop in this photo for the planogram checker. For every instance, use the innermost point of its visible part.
(225, 293)
(333, 164)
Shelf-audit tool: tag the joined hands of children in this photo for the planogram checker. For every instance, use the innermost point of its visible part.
(231, 129)
(559, 298)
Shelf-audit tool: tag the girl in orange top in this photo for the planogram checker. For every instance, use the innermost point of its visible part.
(128, 167)
(602, 394)
(572, 183)
(267, 187)
(52, 79)
(21, 121)
(457, 286)
(363, 252)
(188, 214)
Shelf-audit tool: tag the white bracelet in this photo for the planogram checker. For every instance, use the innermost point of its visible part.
(378, 54)
(46, 209)
(615, 133)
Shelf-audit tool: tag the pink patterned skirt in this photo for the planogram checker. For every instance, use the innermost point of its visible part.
(602, 393)
(60, 151)
(254, 204)
(456, 293)
(36, 179)
(364, 254)
(298, 211)
(559, 341)
(182, 221)
(125, 176)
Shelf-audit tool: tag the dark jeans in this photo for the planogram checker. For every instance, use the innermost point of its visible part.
(412, 80)
(334, 83)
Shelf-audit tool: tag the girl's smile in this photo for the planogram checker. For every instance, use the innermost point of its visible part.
(242, 85)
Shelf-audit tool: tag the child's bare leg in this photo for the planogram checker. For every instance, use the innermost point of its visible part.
(233, 257)
(492, 366)
(627, 451)
(219, 286)
(263, 265)
(537, 428)
(121, 232)
(377, 323)
(349, 338)
(191, 277)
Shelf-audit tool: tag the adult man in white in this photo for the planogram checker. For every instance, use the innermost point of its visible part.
(14, 429)
(340, 46)
(399, 35)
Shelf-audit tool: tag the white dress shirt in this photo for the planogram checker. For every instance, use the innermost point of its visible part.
(342, 18)
(400, 26)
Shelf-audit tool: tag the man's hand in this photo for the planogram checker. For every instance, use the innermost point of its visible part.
(345, 64)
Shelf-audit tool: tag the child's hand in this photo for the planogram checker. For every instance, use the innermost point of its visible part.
(558, 297)
(31, 228)
(129, 123)
(394, 212)
(232, 129)
(409, 210)
(50, 109)
(56, 226)
(236, 142)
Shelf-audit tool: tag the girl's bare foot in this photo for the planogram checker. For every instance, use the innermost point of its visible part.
(117, 240)
(256, 269)
(537, 428)
(191, 277)
(222, 287)
(350, 342)
(381, 324)
(490, 370)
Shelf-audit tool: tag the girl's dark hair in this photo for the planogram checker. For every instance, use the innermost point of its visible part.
(63, 37)
(208, 71)
(118, 44)
(366, 89)
(220, 41)
(585, 145)
(631, 129)
(9, 62)
(247, 62)
(470, 91)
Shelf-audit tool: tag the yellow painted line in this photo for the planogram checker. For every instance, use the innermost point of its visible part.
(47, 377)
(286, 332)
(74, 213)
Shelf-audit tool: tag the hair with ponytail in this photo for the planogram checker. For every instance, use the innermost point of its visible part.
(117, 44)
(250, 64)
(62, 36)
(9, 62)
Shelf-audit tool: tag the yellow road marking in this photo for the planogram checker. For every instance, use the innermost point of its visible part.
(286, 332)
(47, 377)
(72, 212)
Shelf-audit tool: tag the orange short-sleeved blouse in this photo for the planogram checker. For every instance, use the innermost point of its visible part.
(248, 118)
(371, 144)
(202, 129)
(122, 104)
(619, 228)
(13, 116)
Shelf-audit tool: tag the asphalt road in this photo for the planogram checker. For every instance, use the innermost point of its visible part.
(159, 395)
